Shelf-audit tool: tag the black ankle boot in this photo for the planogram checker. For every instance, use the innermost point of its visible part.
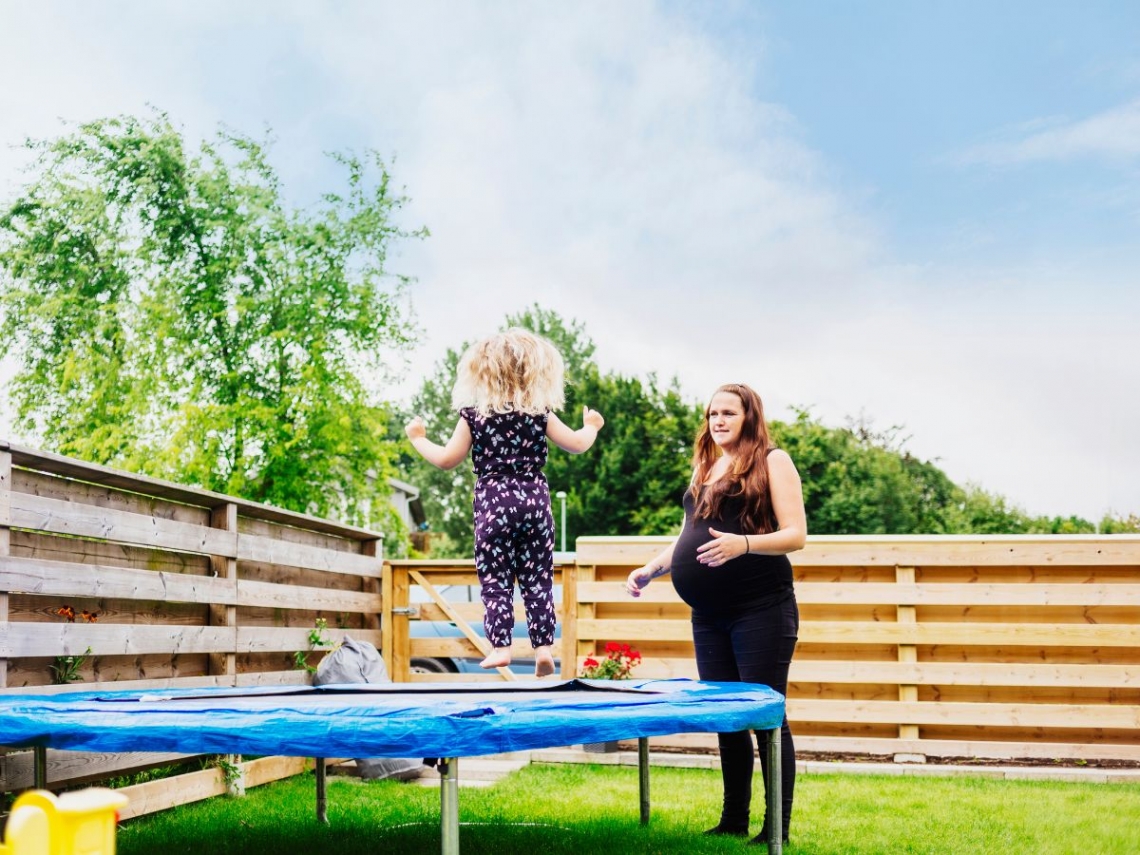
(729, 828)
(761, 839)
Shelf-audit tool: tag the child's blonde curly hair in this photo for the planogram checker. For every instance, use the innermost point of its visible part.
(514, 371)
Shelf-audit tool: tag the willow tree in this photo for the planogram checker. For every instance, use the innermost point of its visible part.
(170, 314)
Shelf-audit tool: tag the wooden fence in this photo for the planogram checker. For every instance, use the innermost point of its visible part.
(1001, 647)
(112, 580)
(417, 591)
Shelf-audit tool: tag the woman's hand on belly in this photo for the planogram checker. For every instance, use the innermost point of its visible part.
(721, 548)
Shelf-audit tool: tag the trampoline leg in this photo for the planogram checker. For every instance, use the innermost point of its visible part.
(775, 807)
(643, 776)
(449, 805)
(322, 800)
(39, 767)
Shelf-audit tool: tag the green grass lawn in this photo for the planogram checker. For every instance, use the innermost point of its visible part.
(590, 810)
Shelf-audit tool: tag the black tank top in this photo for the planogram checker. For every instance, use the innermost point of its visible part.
(742, 584)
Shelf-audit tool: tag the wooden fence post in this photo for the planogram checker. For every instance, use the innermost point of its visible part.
(374, 584)
(907, 614)
(5, 541)
(569, 621)
(386, 635)
(225, 517)
(584, 611)
(396, 613)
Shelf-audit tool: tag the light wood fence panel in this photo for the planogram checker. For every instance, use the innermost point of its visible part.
(433, 612)
(1001, 646)
(976, 647)
(148, 584)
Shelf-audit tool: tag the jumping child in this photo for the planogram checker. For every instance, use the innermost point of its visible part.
(507, 388)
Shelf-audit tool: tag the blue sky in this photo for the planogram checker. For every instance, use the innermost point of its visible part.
(904, 99)
(921, 213)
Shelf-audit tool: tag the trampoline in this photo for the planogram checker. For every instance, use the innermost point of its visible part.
(435, 720)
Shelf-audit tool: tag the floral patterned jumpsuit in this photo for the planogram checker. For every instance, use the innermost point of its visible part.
(514, 527)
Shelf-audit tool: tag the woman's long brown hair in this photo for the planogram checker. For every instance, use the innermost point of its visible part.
(748, 477)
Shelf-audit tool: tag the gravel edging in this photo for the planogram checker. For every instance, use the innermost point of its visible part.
(830, 767)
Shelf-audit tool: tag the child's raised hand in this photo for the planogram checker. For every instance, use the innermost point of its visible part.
(415, 428)
(592, 418)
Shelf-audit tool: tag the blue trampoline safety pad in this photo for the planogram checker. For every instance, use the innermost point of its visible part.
(385, 720)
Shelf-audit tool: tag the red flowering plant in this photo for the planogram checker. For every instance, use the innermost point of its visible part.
(617, 664)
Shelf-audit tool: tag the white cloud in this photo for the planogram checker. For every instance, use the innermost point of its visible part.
(1113, 134)
(609, 161)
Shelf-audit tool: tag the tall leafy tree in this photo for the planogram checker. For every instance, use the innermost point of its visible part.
(446, 495)
(173, 316)
(1119, 524)
(630, 481)
(856, 479)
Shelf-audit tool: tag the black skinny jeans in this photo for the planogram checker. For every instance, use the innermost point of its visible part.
(750, 647)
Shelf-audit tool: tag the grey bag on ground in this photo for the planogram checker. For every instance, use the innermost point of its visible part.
(360, 662)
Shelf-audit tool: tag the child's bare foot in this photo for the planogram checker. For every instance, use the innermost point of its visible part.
(543, 662)
(500, 657)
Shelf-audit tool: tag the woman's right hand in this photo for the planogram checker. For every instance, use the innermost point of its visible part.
(638, 579)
